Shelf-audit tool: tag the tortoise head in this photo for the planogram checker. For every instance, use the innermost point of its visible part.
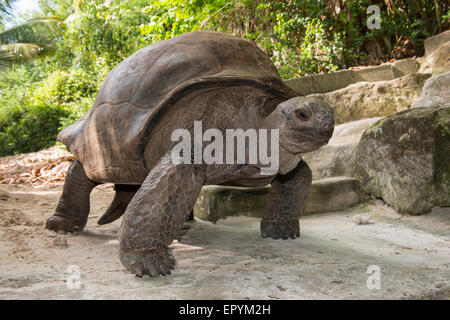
(305, 124)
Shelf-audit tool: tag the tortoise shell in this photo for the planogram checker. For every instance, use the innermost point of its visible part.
(112, 135)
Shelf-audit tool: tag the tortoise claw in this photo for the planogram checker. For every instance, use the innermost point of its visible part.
(151, 262)
(58, 222)
(280, 229)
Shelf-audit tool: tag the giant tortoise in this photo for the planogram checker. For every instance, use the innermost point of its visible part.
(125, 138)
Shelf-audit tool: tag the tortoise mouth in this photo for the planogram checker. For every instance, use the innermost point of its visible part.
(304, 142)
(318, 137)
(299, 136)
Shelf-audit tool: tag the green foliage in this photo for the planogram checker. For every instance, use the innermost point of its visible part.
(172, 18)
(63, 87)
(108, 30)
(14, 83)
(27, 129)
(115, 29)
(31, 118)
(310, 36)
(75, 111)
(316, 52)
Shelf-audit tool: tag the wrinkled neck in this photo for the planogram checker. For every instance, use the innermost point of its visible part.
(273, 120)
(288, 160)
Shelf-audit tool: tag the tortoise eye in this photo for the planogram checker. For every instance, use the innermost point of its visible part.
(301, 115)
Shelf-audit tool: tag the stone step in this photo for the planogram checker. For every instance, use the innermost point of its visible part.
(327, 82)
(329, 194)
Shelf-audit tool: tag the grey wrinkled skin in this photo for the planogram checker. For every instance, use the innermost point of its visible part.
(125, 138)
(287, 200)
(123, 196)
(73, 206)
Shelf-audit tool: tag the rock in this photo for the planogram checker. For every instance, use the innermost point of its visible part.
(437, 62)
(437, 54)
(373, 99)
(327, 82)
(321, 83)
(404, 67)
(114, 242)
(440, 285)
(218, 202)
(405, 159)
(333, 194)
(435, 92)
(433, 43)
(373, 74)
(361, 218)
(331, 161)
(337, 157)
(440, 59)
(60, 242)
(351, 132)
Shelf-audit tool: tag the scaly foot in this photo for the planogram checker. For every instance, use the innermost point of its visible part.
(153, 262)
(280, 229)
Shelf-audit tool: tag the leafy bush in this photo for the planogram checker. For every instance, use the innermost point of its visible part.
(63, 87)
(31, 119)
(310, 36)
(27, 129)
(109, 30)
(75, 111)
(315, 53)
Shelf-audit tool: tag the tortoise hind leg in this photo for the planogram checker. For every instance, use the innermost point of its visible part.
(123, 196)
(73, 206)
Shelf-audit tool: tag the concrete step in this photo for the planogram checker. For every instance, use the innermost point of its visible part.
(327, 82)
(329, 194)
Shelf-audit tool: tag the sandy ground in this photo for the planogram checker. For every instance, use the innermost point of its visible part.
(227, 260)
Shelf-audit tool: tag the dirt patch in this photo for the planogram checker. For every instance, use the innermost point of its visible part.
(227, 260)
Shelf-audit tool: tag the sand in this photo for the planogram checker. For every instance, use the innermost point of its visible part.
(227, 260)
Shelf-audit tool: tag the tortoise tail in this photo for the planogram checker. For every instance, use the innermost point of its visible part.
(124, 194)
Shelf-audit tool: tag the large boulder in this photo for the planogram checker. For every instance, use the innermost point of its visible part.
(437, 54)
(405, 159)
(435, 92)
(374, 99)
(337, 157)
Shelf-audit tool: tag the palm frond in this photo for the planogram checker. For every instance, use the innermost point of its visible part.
(5, 6)
(20, 51)
(16, 53)
(41, 32)
(6, 59)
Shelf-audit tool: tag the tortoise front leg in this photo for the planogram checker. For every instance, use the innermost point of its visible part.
(287, 201)
(155, 214)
